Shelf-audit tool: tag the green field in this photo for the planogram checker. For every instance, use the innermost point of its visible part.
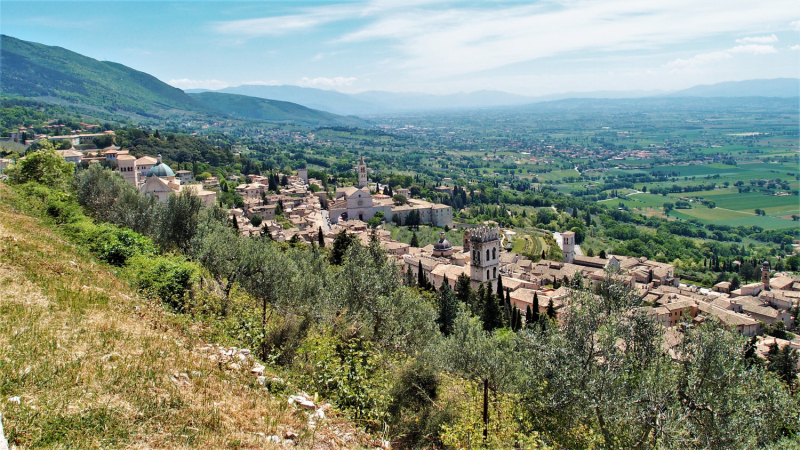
(713, 215)
(751, 200)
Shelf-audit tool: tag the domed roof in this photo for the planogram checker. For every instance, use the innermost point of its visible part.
(443, 245)
(160, 170)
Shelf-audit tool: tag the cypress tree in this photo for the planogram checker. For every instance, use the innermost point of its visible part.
(551, 310)
(528, 316)
(234, 222)
(518, 322)
(448, 308)
(422, 281)
(464, 293)
(414, 240)
(410, 282)
(500, 287)
(535, 309)
(492, 315)
(320, 238)
(509, 308)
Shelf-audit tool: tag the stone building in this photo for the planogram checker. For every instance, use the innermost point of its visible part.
(484, 244)
(361, 169)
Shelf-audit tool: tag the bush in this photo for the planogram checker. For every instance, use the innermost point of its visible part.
(44, 167)
(171, 279)
(347, 371)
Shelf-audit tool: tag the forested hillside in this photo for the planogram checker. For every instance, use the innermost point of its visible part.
(55, 74)
(36, 70)
(271, 110)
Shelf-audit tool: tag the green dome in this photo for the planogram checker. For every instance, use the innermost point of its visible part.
(160, 170)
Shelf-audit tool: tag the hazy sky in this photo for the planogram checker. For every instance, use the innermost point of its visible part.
(531, 48)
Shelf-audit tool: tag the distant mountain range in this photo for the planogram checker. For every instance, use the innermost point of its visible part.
(378, 102)
(777, 87)
(57, 75)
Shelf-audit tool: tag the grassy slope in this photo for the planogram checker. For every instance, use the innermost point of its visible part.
(271, 110)
(95, 365)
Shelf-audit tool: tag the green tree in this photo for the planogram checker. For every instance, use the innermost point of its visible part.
(492, 313)
(414, 240)
(42, 166)
(448, 308)
(551, 310)
(256, 221)
(178, 221)
(534, 309)
(735, 283)
(320, 238)
(341, 243)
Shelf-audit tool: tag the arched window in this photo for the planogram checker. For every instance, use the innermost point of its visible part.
(487, 274)
(494, 253)
(487, 254)
(495, 272)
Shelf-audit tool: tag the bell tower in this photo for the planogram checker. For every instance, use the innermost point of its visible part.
(568, 246)
(484, 244)
(765, 275)
(362, 173)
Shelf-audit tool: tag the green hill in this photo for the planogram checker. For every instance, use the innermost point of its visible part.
(41, 71)
(270, 110)
(57, 75)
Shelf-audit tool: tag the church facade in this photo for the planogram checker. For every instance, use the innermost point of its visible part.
(358, 203)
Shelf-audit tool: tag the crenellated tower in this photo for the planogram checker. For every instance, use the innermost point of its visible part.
(484, 243)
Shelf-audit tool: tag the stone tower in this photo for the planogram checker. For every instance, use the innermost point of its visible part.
(303, 175)
(466, 241)
(362, 173)
(485, 246)
(568, 246)
(765, 275)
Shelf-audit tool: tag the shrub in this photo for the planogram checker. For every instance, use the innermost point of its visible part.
(44, 167)
(171, 279)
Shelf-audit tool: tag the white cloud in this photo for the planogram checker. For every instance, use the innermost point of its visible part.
(754, 49)
(794, 47)
(434, 40)
(186, 83)
(758, 40)
(706, 58)
(263, 83)
(699, 60)
(796, 25)
(326, 82)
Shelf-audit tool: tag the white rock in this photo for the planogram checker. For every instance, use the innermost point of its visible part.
(262, 380)
(242, 357)
(16, 400)
(308, 404)
(244, 351)
(274, 439)
(258, 370)
(320, 414)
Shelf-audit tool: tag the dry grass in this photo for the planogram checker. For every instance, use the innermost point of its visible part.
(96, 366)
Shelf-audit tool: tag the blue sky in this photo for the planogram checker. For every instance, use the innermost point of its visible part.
(530, 48)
